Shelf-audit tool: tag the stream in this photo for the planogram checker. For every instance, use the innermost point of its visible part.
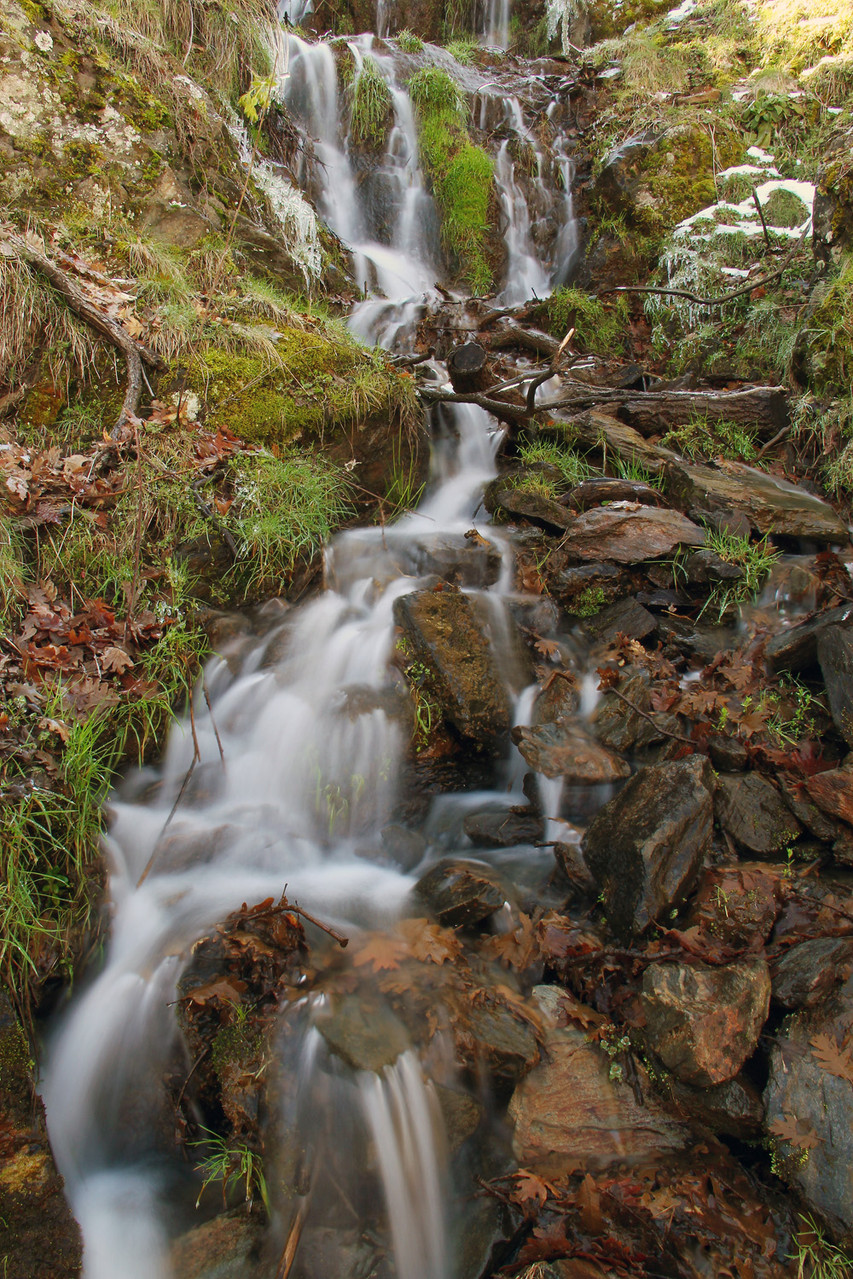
(291, 789)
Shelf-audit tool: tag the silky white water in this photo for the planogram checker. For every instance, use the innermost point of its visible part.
(304, 782)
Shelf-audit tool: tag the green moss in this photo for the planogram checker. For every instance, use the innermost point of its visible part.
(680, 174)
(826, 339)
(598, 326)
(316, 381)
(461, 173)
(589, 602)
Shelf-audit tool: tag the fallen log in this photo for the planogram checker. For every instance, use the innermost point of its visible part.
(764, 408)
(13, 245)
(469, 369)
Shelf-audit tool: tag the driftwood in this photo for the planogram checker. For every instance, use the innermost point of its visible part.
(135, 354)
(760, 407)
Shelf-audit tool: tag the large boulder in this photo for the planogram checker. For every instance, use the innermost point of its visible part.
(645, 847)
(445, 634)
(574, 1109)
(771, 505)
(704, 1022)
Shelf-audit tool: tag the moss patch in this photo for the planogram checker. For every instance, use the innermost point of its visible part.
(461, 173)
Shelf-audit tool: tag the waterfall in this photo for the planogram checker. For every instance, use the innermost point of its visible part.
(296, 783)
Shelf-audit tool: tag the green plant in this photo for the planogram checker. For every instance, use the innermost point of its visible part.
(631, 468)
(590, 601)
(599, 326)
(409, 42)
(12, 570)
(465, 50)
(573, 467)
(794, 710)
(815, 1256)
(232, 1164)
(371, 101)
(284, 509)
(754, 559)
(698, 438)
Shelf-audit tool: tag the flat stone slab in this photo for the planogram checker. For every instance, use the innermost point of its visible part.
(630, 533)
(567, 750)
(770, 505)
(569, 1109)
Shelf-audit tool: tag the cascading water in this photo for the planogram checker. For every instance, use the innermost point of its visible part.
(280, 751)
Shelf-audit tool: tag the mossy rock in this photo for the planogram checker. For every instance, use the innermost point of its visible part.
(655, 180)
(783, 208)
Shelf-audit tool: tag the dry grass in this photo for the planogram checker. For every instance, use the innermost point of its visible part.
(801, 32)
(33, 316)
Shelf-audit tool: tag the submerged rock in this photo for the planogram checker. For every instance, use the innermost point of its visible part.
(503, 829)
(704, 1022)
(364, 1033)
(572, 1108)
(445, 634)
(228, 1247)
(645, 847)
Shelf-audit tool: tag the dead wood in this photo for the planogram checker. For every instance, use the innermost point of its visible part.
(135, 354)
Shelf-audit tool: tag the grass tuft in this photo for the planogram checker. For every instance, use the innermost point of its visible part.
(371, 103)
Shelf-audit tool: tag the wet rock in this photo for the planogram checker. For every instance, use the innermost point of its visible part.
(364, 1033)
(704, 1022)
(728, 755)
(40, 1238)
(503, 829)
(626, 617)
(331, 1250)
(737, 906)
(404, 847)
(707, 566)
(806, 810)
(835, 657)
(629, 536)
(570, 860)
(805, 1094)
(445, 634)
(558, 701)
(771, 505)
(832, 791)
(732, 1109)
(460, 892)
(583, 589)
(228, 1247)
(515, 498)
(568, 1108)
(624, 174)
(567, 750)
(605, 488)
(491, 1037)
(806, 973)
(645, 847)
(461, 1112)
(697, 642)
(796, 649)
(750, 808)
(461, 560)
(621, 727)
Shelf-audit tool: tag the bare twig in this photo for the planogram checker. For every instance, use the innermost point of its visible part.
(676, 737)
(212, 720)
(184, 784)
(749, 287)
(770, 248)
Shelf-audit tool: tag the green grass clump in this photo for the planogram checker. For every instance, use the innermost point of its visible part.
(371, 102)
(599, 326)
(827, 335)
(461, 172)
(286, 508)
(409, 42)
(465, 50)
(572, 466)
(700, 439)
(754, 559)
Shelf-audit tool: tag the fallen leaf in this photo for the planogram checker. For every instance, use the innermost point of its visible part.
(380, 952)
(116, 659)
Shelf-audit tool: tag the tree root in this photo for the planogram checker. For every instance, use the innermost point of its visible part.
(135, 353)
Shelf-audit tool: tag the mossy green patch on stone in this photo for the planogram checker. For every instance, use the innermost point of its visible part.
(316, 382)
